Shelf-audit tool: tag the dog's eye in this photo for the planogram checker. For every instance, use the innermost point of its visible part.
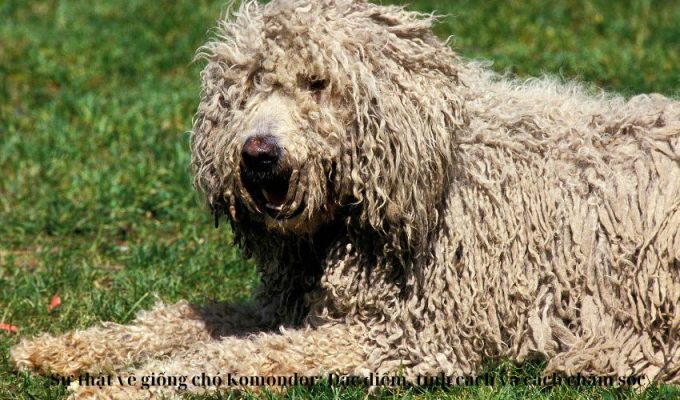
(224, 102)
(317, 85)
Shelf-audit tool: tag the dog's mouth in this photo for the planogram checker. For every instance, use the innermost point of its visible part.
(273, 192)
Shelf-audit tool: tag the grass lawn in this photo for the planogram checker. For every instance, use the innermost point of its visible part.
(96, 204)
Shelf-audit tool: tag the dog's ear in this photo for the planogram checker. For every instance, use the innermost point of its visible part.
(409, 111)
(206, 178)
(224, 88)
(208, 139)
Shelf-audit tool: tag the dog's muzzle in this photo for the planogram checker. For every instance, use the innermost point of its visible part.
(266, 175)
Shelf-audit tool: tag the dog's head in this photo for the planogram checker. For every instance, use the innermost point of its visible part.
(317, 110)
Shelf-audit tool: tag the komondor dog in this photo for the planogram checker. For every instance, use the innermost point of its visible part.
(411, 213)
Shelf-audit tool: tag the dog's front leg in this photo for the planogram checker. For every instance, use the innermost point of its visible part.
(161, 331)
(306, 352)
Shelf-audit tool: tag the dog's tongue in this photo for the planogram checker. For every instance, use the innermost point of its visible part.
(275, 198)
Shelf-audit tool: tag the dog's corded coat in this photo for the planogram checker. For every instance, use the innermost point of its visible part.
(437, 214)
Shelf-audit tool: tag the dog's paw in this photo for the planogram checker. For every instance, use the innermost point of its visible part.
(35, 354)
(64, 355)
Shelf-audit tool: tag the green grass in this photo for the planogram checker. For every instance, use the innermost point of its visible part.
(96, 202)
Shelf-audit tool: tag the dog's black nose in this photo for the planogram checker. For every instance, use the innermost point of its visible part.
(260, 152)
